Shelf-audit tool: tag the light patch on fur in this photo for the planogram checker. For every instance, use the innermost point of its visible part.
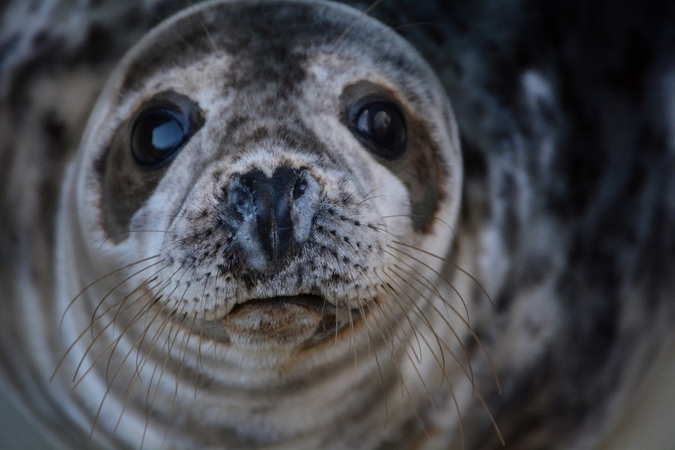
(532, 323)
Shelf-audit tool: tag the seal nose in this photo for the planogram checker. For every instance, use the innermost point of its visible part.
(273, 214)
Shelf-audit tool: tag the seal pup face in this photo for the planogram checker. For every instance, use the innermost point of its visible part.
(269, 161)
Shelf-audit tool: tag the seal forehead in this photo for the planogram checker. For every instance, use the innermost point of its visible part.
(269, 39)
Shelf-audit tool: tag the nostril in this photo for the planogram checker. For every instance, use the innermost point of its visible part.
(300, 188)
(240, 199)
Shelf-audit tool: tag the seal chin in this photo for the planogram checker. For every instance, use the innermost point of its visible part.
(286, 322)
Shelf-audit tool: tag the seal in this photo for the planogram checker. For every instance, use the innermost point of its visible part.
(229, 244)
(269, 236)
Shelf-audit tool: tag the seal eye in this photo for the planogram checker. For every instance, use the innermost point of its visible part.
(381, 127)
(157, 135)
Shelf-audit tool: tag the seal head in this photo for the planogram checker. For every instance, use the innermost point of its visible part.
(244, 197)
(277, 156)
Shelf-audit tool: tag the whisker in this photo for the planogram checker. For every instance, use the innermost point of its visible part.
(120, 233)
(465, 321)
(184, 344)
(352, 345)
(392, 346)
(208, 34)
(113, 345)
(432, 285)
(140, 363)
(405, 388)
(469, 374)
(355, 22)
(418, 354)
(109, 381)
(83, 333)
(117, 286)
(169, 345)
(110, 348)
(95, 320)
(379, 368)
(443, 318)
(441, 362)
(453, 264)
(447, 304)
(476, 392)
(422, 216)
(97, 281)
(466, 309)
(147, 325)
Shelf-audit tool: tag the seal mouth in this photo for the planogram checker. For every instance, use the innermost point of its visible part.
(301, 320)
(307, 300)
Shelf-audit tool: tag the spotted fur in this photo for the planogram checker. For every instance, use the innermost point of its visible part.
(555, 278)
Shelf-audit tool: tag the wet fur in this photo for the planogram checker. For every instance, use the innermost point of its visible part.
(565, 115)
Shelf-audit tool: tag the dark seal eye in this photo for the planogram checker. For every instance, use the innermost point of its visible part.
(157, 135)
(381, 127)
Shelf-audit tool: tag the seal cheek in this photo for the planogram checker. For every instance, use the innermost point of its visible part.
(139, 155)
(272, 323)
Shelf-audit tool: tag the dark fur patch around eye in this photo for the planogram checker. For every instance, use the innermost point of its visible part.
(415, 160)
(128, 179)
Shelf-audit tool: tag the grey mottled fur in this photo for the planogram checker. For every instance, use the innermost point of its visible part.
(565, 112)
